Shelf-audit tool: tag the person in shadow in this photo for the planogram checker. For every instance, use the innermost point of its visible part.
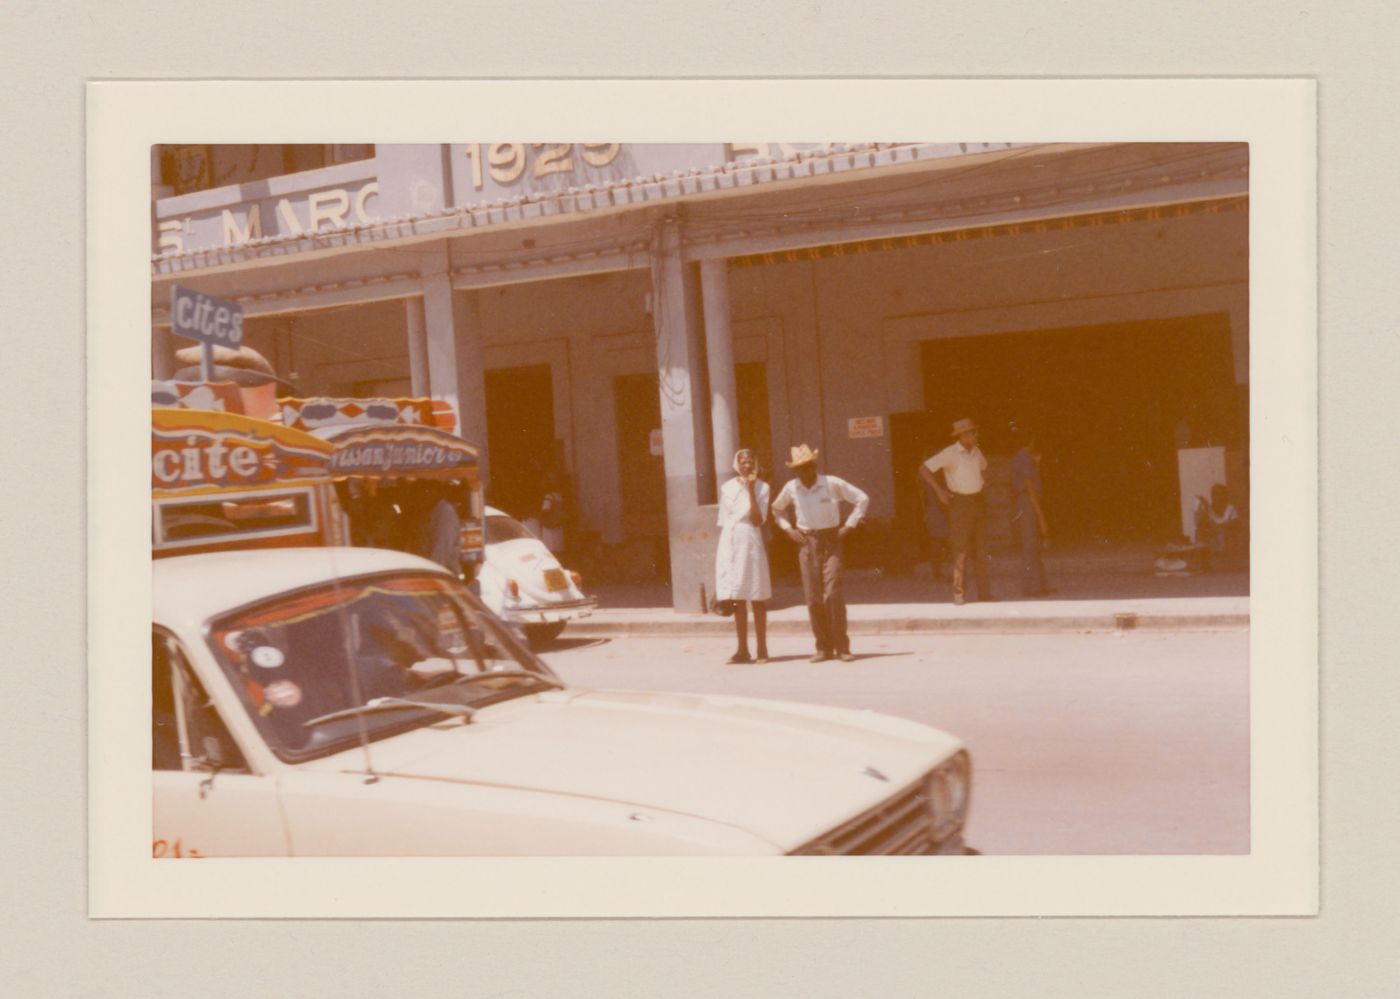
(1030, 515)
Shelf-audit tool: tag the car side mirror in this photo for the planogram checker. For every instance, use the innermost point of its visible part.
(213, 758)
(213, 751)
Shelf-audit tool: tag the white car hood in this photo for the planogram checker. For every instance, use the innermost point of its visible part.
(783, 772)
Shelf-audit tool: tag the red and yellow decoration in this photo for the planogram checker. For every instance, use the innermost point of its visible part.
(194, 451)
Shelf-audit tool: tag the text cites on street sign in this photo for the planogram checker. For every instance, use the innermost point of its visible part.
(210, 320)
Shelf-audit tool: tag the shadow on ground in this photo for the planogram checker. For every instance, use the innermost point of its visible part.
(566, 643)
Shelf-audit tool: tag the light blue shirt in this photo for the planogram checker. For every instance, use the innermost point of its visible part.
(1025, 474)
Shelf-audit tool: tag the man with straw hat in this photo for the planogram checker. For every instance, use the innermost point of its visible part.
(964, 469)
(815, 501)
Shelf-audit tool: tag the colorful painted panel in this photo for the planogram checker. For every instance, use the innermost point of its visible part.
(197, 450)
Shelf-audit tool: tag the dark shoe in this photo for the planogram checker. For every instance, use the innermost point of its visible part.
(738, 659)
(820, 657)
(846, 657)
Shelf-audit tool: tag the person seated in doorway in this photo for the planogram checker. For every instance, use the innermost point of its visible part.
(1217, 522)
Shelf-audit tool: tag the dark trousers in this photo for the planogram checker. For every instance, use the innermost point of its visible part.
(820, 560)
(1032, 567)
(967, 519)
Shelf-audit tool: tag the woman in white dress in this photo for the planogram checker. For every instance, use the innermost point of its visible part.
(741, 562)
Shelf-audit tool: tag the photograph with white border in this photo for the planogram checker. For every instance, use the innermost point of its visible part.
(344, 346)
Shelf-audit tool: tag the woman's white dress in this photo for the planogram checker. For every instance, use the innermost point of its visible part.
(741, 561)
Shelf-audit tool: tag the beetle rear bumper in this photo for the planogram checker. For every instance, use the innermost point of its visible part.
(549, 613)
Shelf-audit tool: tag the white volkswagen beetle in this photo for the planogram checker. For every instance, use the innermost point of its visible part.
(355, 702)
(524, 584)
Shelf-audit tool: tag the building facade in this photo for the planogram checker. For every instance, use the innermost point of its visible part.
(631, 314)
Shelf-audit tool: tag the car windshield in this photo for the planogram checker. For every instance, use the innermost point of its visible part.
(381, 653)
(500, 528)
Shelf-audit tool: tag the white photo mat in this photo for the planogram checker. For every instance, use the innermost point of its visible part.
(1277, 118)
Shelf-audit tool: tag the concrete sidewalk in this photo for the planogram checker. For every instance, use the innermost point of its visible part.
(1044, 615)
(1097, 591)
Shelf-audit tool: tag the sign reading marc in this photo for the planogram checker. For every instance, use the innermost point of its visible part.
(205, 318)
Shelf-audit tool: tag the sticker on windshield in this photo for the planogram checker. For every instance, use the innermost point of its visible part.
(450, 632)
(283, 693)
(267, 656)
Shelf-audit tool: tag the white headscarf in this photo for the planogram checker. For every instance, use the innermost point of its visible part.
(739, 454)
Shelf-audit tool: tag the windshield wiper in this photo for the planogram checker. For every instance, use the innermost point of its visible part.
(456, 710)
(388, 703)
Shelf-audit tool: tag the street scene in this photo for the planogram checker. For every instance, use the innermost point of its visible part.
(677, 499)
(1135, 743)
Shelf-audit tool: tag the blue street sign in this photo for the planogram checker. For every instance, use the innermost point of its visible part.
(205, 318)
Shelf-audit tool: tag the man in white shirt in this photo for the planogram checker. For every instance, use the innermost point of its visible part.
(815, 501)
(963, 466)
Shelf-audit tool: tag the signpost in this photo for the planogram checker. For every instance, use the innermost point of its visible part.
(210, 320)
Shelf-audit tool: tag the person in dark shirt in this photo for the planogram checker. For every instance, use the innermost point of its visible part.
(1030, 515)
(935, 525)
(442, 537)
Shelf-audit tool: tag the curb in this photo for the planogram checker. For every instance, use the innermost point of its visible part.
(1110, 623)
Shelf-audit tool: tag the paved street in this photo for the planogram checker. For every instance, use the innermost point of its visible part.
(1133, 743)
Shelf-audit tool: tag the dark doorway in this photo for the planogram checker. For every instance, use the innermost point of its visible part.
(913, 437)
(1105, 401)
(641, 474)
(519, 435)
(755, 425)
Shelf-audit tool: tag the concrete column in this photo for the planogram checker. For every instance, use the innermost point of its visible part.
(456, 371)
(719, 354)
(162, 353)
(417, 345)
(690, 525)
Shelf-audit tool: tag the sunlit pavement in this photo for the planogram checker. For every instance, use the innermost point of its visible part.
(789, 617)
(1106, 743)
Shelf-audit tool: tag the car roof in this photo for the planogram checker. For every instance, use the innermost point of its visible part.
(190, 589)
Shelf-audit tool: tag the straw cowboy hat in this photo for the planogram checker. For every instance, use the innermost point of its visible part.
(802, 455)
(961, 427)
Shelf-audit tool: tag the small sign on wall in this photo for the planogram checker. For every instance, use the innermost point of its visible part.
(865, 426)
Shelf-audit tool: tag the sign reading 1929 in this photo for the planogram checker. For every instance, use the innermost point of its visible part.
(486, 171)
(506, 161)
